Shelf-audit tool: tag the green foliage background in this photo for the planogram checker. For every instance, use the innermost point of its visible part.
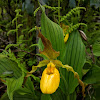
(18, 46)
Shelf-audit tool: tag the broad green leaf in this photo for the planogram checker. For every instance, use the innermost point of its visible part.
(18, 96)
(7, 65)
(29, 85)
(62, 97)
(93, 75)
(13, 85)
(75, 57)
(73, 96)
(63, 84)
(25, 93)
(46, 97)
(58, 95)
(97, 91)
(87, 65)
(96, 49)
(28, 89)
(7, 74)
(4, 97)
(24, 97)
(52, 32)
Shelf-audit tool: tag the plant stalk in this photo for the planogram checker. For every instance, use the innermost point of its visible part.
(58, 12)
(68, 97)
(16, 31)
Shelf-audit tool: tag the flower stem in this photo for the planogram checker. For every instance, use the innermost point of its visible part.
(68, 97)
(16, 31)
(58, 12)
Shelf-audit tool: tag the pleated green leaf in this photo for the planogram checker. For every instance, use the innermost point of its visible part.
(15, 82)
(9, 65)
(13, 85)
(52, 32)
(96, 49)
(23, 97)
(75, 57)
(45, 97)
(93, 75)
(18, 96)
(58, 95)
(21, 93)
(4, 97)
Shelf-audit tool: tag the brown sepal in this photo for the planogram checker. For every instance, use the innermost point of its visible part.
(48, 50)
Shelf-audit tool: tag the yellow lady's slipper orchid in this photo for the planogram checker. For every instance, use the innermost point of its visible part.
(66, 34)
(66, 38)
(50, 79)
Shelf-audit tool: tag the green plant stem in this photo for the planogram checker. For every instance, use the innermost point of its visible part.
(68, 97)
(16, 31)
(58, 12)
(38, 2)
(16, 28)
